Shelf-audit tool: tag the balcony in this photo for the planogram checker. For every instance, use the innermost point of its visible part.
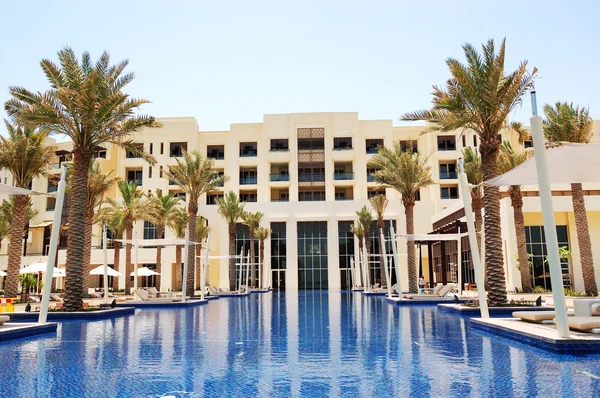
(313, 177)
(248, 154)
(248, 180)
(450, 175)
(279, 177)
(370, 178)
(280, 200)
(342, 198)
(343, 176)
(52, 188)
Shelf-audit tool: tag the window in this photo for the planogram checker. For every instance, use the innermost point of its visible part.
(248, 149)
(312, 255)
(536, 247)
(242, 244)
(375, 192)
(346, 252)
(149, 230)
(344, 194)
(418, 196)
(446, 143)
(311, 196)
(176, 149)
(464, 141)
(370, 172)
(160, 172)
(475, 141)
(151, 149)
(180, 195)
(449, 192)
(311, 144)
(162, 148)
(311, 174)
(528, 143)
(220, 174)
(280, 145)
(249, 196)
(342, 143)
(50, 203)
(52, 185)
(134, 176)
(150, 172)
(247, 176)
(448, 171)
(373, 145)
(211, 198)
(405, 145)
(101, 153)
(216, 152)
(137, 153)
(278, 245)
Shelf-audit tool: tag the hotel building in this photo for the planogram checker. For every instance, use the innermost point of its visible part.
(309, 173)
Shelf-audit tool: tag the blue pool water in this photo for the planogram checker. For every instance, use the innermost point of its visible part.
(294, 344)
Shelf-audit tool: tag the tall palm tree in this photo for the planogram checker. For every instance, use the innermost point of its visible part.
(115, 222)
(474, 172)
(358, 231)
(407, 172)
(365, 220)
(252, 220)
(25, 155)
(508, 160)
(165, 207)
(133, 207)
(195, 175)
(178, 225)
(379, 203)
(4, 229)
(231, 209)
(564, 122)
(98, 185)
(202, 230)
(86, 103)
(262, 234)
(480, 96)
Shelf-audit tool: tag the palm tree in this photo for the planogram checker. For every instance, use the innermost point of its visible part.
(508, 160)
(407, 172)
(365, 220)
(480, 96)
(359, 232)
(98, 185)
(573, 124)
(474, 172)
(262, 234)
(134, 206)
(4, 229)
(202, 230)
(195, 175)
(178, 225)
(252, 220)
(231, 209)
(116, 224)
(379, 203)
(87, 104)
(25, 155)
(165, 207)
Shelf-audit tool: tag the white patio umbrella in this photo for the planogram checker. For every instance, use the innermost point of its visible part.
(99, 270)
(568, 163)
(143, 271)
(2, 273)
(40, 266)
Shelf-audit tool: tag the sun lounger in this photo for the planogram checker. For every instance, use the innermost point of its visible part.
(537, 316)
(584, 323)
(56, 297)
(438, 292)
(153, 292)
(214, 290)
(4, 318)
(142, 294)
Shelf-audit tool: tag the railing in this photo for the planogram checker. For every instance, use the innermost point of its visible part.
(219, 156)
(248, 199)
(447, 148)
(247, 180)
(279, 149)
(449, 196)
(450, 175)
(343, 176)
(370, 178)
(279, 177)
(371, 151)
(50, 208)
(220, 184)
(52, 188)
(342, 148)
(343, 198)
(138, 181)
(281, 200)
(248, 154)
(54, 166)
(313, 177)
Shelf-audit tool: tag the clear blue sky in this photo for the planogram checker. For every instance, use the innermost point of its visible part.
(233, 61)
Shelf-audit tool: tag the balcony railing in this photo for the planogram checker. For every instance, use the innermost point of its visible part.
(343, 198)
(279, 149)
(447, 147)
(342, 148)
(54, 166)
(216, 156)
(449, 196)
(279, 177)
(247, 180)
(343, 176)
(370, 178)
(313, 177)
(371, 151)
(138, 181)
(52, 188)
(248, 154)
(450, 175)
(281, 200)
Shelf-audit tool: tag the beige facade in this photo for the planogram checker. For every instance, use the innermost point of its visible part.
(298, 168)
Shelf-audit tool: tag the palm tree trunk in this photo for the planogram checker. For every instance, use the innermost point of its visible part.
(413, 287)
(15, 246)
(494, 261)
(73, 296)
(116, 263)
(178, 274)
(517, 204)
(252, 260)
(583, 237)
(159, 232)
(232, 253)
(198, 268)
(380, 226)
(87, 251)
(477, 204)
(128, 264)
(192, 215)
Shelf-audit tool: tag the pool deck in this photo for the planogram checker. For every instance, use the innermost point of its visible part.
(494, 311)
(15, 330)
(68, 316)
(378, 293)
(164, 303)
(419, 301)
(539, 335)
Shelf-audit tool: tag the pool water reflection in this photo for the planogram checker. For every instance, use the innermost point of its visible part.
(292, 344)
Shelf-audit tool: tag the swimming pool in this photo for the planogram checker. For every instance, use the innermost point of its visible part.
(292, 344)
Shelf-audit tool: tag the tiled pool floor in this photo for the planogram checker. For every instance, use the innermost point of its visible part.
(293, 344)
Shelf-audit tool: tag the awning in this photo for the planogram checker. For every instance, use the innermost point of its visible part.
(431, 238)
(43, 224)
(10, 190)
(569, 163)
